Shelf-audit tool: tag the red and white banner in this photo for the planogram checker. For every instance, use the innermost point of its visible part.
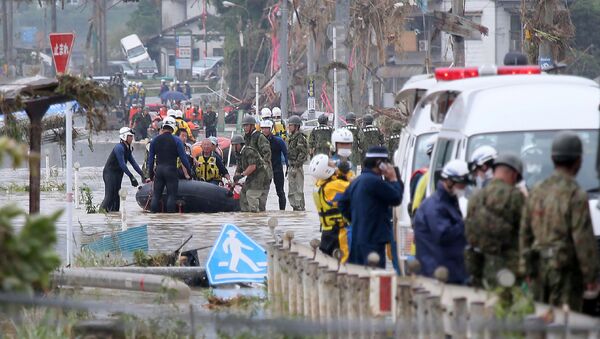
(62, 46)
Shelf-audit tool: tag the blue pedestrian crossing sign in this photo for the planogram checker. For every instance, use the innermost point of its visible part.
(236, 258)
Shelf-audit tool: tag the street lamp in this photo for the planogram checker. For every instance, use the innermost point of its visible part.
(229, 4)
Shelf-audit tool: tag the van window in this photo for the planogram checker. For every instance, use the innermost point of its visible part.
(136, 51)
(420, 158)
(443, 154)
(534, 149)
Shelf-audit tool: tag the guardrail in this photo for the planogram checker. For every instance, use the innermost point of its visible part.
(302, 281)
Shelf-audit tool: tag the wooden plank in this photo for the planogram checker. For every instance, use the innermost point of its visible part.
(457, 25)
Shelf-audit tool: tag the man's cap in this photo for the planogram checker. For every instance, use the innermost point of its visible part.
(377, 152)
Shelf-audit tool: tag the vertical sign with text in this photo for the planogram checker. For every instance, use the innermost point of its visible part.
(62, 46)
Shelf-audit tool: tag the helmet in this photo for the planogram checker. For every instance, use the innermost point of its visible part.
(169, 122)
(124, 132)
(178, 114)
(566, 146)
(214, 140)
(342, 135)
(323, 119)
(276, 112)
(515, 59)
(482, 155)
(185, 82)
(456, 170)
(177, 82)
(351, 117)
(368, 119)
(396, 127)
(237, 140)
(319, 167)
(140, 84)
(171, 113)
(430, 144)
(266, 124)
(248, 120)
(162, 80)
(265, 112)
(295, 120)
(510, 160)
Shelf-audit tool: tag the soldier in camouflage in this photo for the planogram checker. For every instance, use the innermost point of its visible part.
(558, 251)
(369, 136)
(260, 143)
(394, 138)
(320, 137)
(351, 126)
(492, 224)
(297, 155)
(252, 167)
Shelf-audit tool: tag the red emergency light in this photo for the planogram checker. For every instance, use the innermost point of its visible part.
(513, 70)
(448, 74)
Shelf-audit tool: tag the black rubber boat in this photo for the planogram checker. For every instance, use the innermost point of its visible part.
(194, 197)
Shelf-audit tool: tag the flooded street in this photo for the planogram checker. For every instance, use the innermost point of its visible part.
(166, 232)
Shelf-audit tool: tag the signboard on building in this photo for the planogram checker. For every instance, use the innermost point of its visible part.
(183, 50)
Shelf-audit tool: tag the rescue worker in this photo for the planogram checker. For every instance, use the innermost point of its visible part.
(210, 166)
(131, 94)
(140, 123)
(259, 142)
(369, 135)
(558, 250)
(492, 224)
(439, 228)
(297, 155)
(135, 93)
(330, 187)
(210, 122)
(394, 138)
(356, 153)
(163, 88)
(115, 167)
(367, 205)
(320, 137)
(265, 113)
(187, 90)
(182, 171)
(341, 145)
(182, 124)
(167, 148)
(279, 156)
(141, 94)
(419, 179)
(482, 161)
(178, 87)
(251, 172)
(278, 126)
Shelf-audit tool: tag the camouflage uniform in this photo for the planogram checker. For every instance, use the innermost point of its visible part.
(259, 142)
(297, 155)
(558, 250)
(255, 182)
(492, 231)
(319, 140)
(368, 137)
(393, 143)
(355, 157)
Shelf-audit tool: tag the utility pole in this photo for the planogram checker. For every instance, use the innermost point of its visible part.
(342, 18)
(5, 30)
(458, 49)
(310, 70)
(283, 56)
(545, 57)
(11, 34)
(52, 4)
(100, 28)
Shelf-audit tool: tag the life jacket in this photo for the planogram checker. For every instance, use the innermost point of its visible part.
(279, 130)
(329, 214)
(207, 169)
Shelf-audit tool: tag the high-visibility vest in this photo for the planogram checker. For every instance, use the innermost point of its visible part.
(207, 169)
(329, 214)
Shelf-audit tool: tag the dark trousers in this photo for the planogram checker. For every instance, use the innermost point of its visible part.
(279, 179)
(165, 176)
(211, 131)
(112, 185)
(360, 252)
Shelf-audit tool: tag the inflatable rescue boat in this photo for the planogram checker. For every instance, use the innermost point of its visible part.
(194, 197)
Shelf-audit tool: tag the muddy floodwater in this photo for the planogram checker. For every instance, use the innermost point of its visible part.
(165, 231)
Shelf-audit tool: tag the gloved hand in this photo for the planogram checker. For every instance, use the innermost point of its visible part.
(237, 177)
(134, 181)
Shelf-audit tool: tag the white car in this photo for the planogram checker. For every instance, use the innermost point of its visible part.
(206, 68)
(134, 49)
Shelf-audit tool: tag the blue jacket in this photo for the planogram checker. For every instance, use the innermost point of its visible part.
(440, 236)
(367, 205)
(278, 153)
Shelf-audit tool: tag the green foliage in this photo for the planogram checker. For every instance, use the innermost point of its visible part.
(28, 257)
(88, 200)
(145, 21)
(514, 303)
(141, 258)
(585, 15)
(88, 258)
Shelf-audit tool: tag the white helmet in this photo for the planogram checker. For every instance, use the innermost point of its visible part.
(266, 124)
(124, 132)
(430, 143)
(169, 122)
(171, 112)
(171, 83)
(482, 155)
(265, 112)
(456, 170)
(178, 114)
(177, 82)
(162, 80)
(342, 135)
(140, 84)
(276, 112)
(185, 82)
(319, 167)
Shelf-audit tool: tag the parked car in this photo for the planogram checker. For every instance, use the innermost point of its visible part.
(207, 68)
(146, 69)
(121, 66)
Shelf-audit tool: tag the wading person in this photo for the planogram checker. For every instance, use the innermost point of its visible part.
(297, 155)
(251, 173)
(279, 156)
(255, 139)
(115, 167)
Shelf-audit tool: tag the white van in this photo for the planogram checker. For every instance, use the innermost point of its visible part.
(133, 49)
(522, 114)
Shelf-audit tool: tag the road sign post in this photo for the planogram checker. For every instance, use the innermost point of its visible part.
(62, 46)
